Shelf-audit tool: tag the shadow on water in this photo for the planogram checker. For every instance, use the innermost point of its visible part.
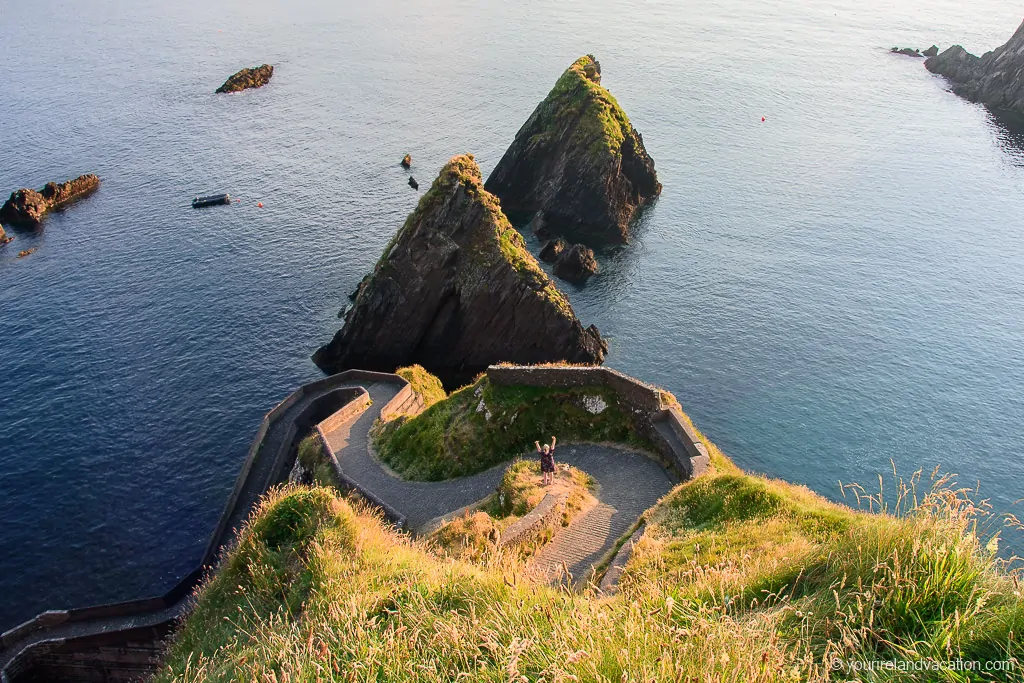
(1009, 127)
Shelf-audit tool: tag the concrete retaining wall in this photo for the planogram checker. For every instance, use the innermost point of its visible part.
(547, 513)
(634, 393)
(353, 408)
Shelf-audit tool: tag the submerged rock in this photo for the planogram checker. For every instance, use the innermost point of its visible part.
(577, 163)
(576, 264)
(256, 77)
(456, 291)
(932, 51)
(27, 207)
(906, 51)
(996, 79)
(550, 252)
(413, 184)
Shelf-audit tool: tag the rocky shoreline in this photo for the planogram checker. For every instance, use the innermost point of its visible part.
(995, 79)
(26, 207)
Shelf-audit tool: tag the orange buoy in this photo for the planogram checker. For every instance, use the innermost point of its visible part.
(259, 204)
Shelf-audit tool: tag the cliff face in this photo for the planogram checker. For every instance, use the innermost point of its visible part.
(255, 77)
(456, 291)
(995, 79)
(27, 207)
(577, 163)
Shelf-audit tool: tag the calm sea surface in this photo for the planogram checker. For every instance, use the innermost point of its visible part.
(836, 287)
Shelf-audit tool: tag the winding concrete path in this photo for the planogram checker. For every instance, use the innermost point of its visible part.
(419, 501)
(630, 483)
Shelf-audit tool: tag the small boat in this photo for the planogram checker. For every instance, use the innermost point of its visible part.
(211, 200)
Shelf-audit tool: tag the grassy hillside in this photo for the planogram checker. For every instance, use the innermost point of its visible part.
(481, 425)
(738, 578)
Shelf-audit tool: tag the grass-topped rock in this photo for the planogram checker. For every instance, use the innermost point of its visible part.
(577, 164)
(455, 291)
(484, 424)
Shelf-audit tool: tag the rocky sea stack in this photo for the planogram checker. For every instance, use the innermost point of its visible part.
(256, 77)
(995, 79)
(577, 164)
(27, 207)
(576, 264)
(456, 291)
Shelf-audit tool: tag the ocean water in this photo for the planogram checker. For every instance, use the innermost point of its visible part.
(828, 291)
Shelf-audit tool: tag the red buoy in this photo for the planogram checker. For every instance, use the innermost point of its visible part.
(259, 204)
(763, 119)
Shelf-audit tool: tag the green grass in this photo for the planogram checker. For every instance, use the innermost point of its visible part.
(427, 386)
(602, 124)
(481, 425)
(501, 244)
(738, 578)
(313, 457)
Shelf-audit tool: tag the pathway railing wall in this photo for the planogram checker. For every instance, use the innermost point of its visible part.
(32, 634)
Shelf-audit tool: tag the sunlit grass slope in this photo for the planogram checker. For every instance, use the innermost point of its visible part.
(738, 578)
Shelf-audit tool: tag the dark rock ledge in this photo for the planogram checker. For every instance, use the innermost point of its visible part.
(256, 77)
(27, 207)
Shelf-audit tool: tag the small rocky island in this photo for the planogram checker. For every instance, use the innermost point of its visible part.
(575, 263)
(456, 291)
(27, 207)
(256, 77)
(995, 79)
(577, 164)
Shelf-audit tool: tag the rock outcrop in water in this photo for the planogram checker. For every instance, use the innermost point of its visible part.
(995, 79)
(906, 51)
(456, 291)
(27, 207)
(577, 163)
(256, 77)
(550, 252)
(576, 264)
(931, 52)
(4, 238)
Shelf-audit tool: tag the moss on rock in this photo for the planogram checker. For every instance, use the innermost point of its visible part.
(455, 291)
(577, 164)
